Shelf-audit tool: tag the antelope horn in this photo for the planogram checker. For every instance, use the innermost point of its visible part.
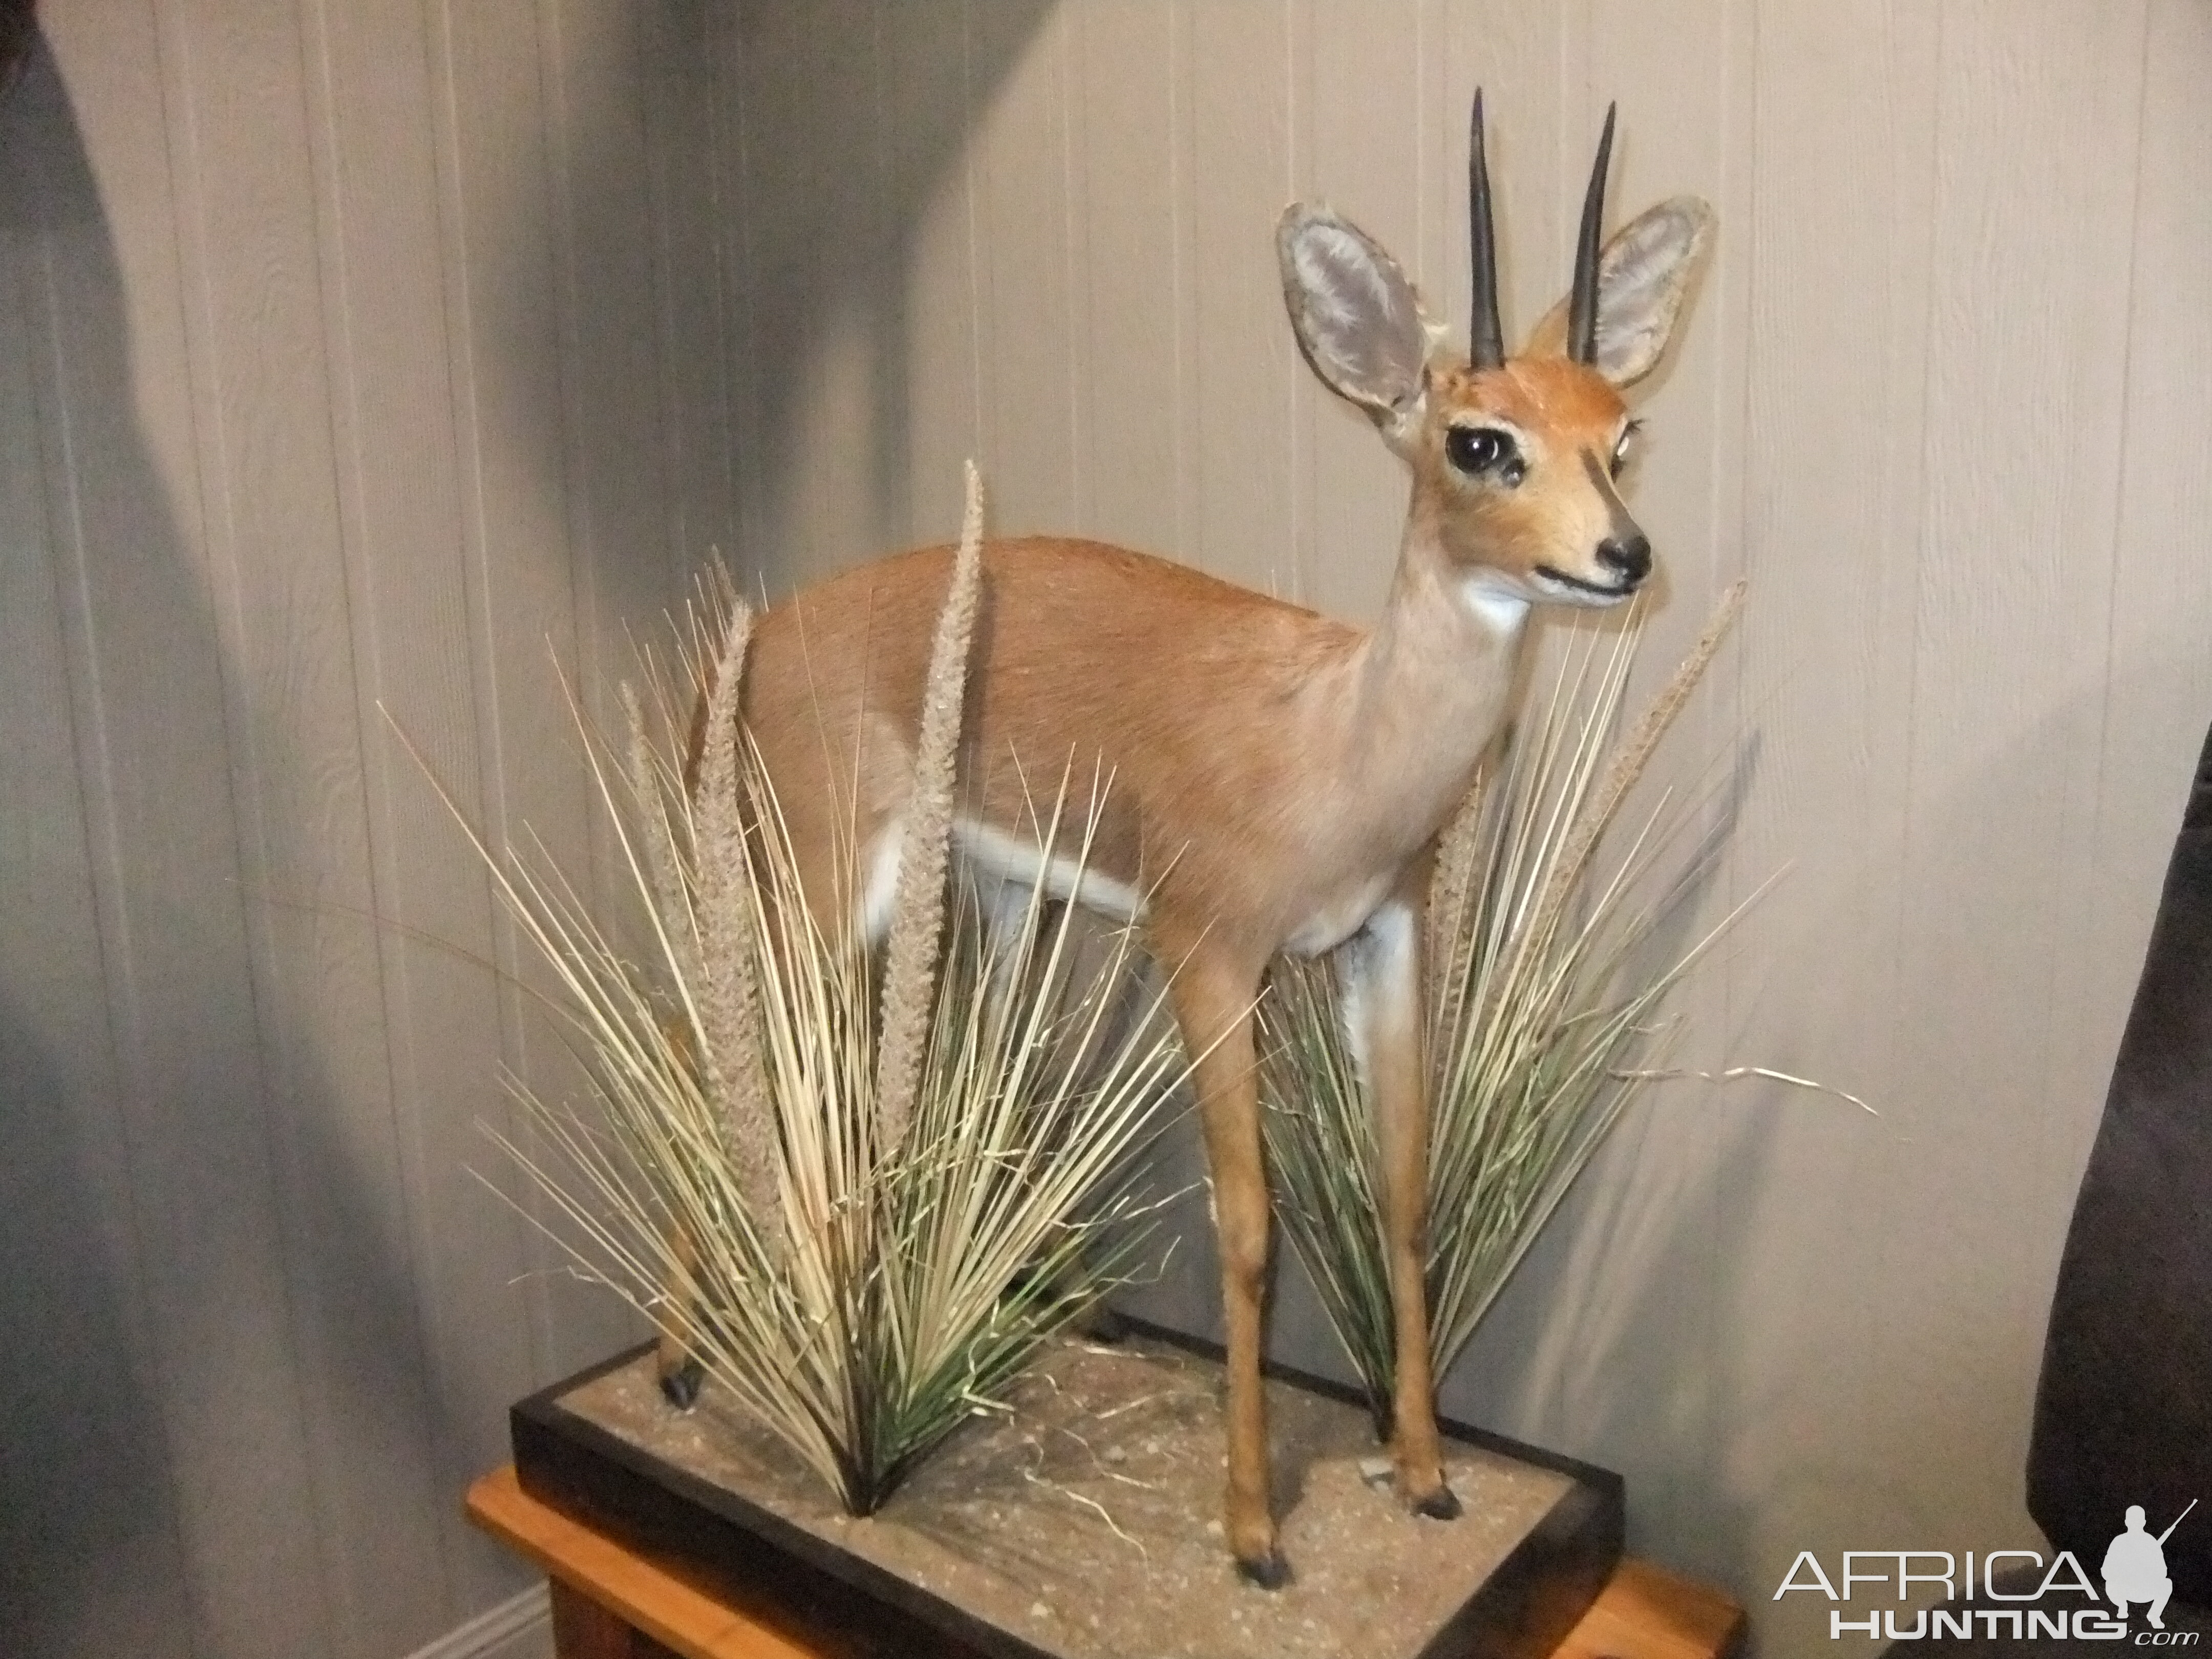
(1581, 309)
(1486, 337)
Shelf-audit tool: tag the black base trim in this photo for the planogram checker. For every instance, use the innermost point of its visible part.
(792, 1579)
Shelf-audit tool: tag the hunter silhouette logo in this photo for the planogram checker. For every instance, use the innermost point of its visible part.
(2009, 1594)
(2135, 1566)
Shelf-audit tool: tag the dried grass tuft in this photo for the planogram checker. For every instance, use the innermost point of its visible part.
(1540, 998)
(917, 925)
(860, 1298)
(727, 1018)
(1458, 851)
(1634, 753)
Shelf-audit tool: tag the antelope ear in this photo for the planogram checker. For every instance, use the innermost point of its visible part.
(1355, 314)
(1642, 276)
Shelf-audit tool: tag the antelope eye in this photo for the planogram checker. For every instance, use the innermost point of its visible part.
(1473, 449)
(1627, 442)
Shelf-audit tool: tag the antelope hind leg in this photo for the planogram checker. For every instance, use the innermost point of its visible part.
(680, 1372)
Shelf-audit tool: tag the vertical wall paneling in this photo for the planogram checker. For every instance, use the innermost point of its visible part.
(496, 607)
(932, 342)
(285, 312)
(1128, 388)
(622, 490)
(620, 472)
(260, 270)
(2161, 678)
(1244, 363)
(369, 104)
(501, 218)
(379, 364)
(2001, 767)
(729, 47)
(872, 316)
(89, 1499)
(1026, 132)
(1369, 169)
(373, 103)
(808, 91)
(1833, 468)
(158, 715)
(690, 197)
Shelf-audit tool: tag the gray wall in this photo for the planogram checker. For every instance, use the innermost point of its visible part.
(381, 354)
(356, 360)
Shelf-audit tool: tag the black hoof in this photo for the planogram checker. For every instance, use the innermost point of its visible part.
(680, 1386)
(1270, 1573)
(1442, 1504)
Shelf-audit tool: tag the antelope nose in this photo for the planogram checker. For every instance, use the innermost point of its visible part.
(1629, 557)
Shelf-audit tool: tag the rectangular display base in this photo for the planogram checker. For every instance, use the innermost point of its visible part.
(1083, 1523)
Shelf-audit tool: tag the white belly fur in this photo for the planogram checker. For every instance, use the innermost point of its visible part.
(994, 853)
(996, 857)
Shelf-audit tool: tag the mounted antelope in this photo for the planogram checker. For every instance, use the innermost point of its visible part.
(1277, 776)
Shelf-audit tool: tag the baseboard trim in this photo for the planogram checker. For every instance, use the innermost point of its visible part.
(505, 1631)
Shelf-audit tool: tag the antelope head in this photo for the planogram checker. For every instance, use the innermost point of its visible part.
(1514, 459)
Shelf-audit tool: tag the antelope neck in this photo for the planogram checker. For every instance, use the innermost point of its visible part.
(1431, 675)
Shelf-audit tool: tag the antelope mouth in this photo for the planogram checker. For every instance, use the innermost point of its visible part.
(1573, 590)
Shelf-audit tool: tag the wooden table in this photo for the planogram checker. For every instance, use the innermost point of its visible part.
(613, 1602)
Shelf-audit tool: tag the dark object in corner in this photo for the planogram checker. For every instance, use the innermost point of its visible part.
(2124, 1413)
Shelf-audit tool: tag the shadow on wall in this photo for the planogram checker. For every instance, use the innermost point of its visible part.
(182, 1350)
(215, 1346)
(90, 1558)
(1582, 1351)
(89, 1523)
(1852, 1364)
(794, 152)
(687, 205)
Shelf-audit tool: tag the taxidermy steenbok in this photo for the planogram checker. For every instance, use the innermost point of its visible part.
(1277, 777)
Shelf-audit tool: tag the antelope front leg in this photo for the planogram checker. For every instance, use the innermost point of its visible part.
(1380, 973)
(1213, 1001)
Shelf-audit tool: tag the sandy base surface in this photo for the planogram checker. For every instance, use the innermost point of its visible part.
(1086, 1521)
